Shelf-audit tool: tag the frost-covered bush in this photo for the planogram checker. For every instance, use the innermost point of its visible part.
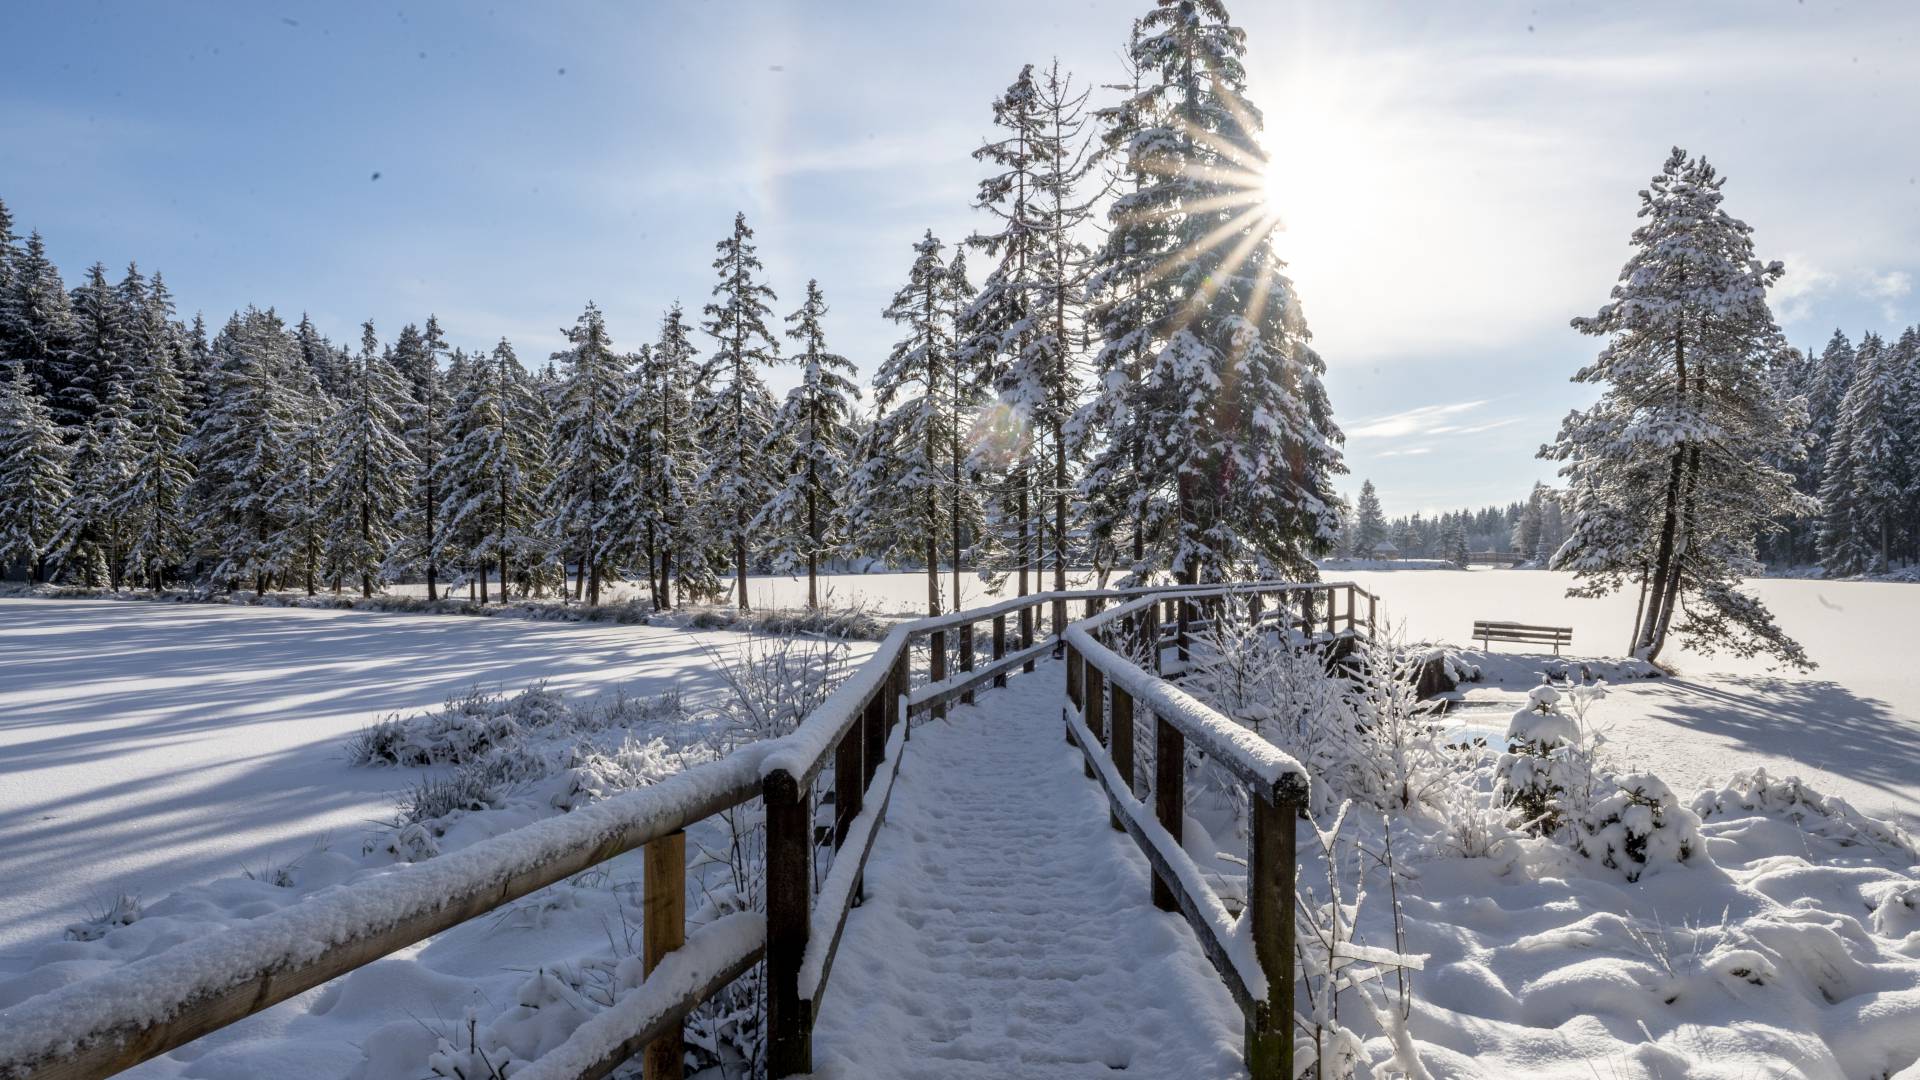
(1636, 825)
(462, 730)
(1826, 816)
(1361, 730)
(592, 773)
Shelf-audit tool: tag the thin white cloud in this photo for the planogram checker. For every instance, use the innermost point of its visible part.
(1424, 420)
(1411, 451)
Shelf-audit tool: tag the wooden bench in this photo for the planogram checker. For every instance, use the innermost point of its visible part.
(1487, 632)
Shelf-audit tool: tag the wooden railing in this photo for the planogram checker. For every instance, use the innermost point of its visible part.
(1113, 688)
(853, 742)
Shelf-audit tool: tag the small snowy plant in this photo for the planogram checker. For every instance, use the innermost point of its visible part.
(1637, 825)
(1551, 763)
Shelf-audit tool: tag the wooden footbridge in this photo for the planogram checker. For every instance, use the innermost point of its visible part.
(1103, 664)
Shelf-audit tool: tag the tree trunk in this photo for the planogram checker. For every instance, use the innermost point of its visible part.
(813, 542)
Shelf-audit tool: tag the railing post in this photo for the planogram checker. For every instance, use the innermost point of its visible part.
(1073, 689)
(1184, 626)
(898, 686)
(874, 725)
(1026, 635)
(1073, 677)
(937, 665)
(663, 929)
(1330, 606)
(1169, 796)
(966, 657)
(1059, 626)
(1270, 895)
(789, 892)
(1121, 737)
(1153, 637)
(1372, 603)
(1000, 646)
(1306, 614)
(849, 786)
(1094, 701)
(1353, 608)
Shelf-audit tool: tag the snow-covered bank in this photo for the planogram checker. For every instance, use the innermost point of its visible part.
(147, 747)
(1851, 727)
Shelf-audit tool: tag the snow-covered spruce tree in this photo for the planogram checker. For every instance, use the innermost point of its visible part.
(804, 518)
(99, 347)
(40, 320)
(91, 546)
(300, 501)
(33, 475)
(903, 471)
(999, 324)
(584, 449)
(1370, 526)
(1668, 472)
(371, 467)
(630, 500)
(676, 514)
(240, 446)
(1110, 429)
(489, 496)
(1872, 423)
(1022, 330)
(420, 542)
(1231, 411)
(154, 500)
(735, 409)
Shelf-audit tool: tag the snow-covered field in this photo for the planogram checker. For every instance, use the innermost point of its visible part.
(144, 747)
(1851, 727)
(164, 749)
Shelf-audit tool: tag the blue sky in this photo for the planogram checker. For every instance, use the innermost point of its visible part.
(1457, 179)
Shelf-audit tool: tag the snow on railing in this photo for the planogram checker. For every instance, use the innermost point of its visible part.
(121, 1017)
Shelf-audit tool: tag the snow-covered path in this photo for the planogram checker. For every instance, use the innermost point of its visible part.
(1007, 930)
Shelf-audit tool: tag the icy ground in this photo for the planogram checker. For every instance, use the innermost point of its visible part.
(1851, 727)
(145, 747)
(1008, 930)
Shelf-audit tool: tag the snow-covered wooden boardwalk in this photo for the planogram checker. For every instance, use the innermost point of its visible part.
(1008, 930)
(981, 913)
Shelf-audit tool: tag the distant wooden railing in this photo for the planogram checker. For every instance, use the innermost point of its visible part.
(112, 1021)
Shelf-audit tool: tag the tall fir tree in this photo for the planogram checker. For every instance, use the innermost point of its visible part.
(154, 500)
(492, 493)
(904, 470)
(34, 482)
(1234, 417)
(675, 516)
(421, 540)
(1000, 326)
(1668, 473)
(98, 353)
(584, 448)
(804, 518)
(736, 409)
(241, 445)
(371, 466)
(41, 321)
(1370, 526)
(1874, 449)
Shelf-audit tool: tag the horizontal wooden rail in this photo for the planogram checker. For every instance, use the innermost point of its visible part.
(119, 1018)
